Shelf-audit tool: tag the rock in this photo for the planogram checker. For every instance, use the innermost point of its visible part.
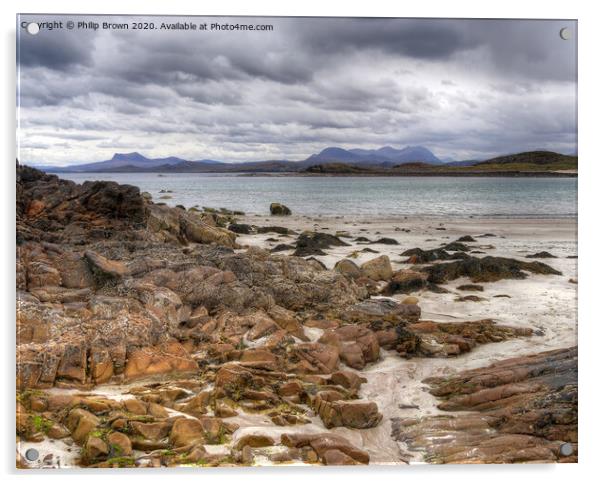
(471, 287)
(313, 243)
(417, 255)
(347, 379)
(259, 358)
(378, 268)
(541, 255)
(406, 281)
(351, 414)
(516, 410)
(240, 228)
(119, 444)
(357, 345)
(254, 441)
(315, 358)
(104, 268)
(323, 442)
(410, 301)
(486, 269)
(348, 268)
(285, 319)
(470, 298)
(465, 239)
(94, 449)
(444, 339)
(281, 230)
(456, 247)
(151, 431)
(335, 457)
(135, 406)
(375, 310)
(278, 209)
(198, 231)
(281, 247)
(167, 358)
(385, 241)
(81, 422)
(186, 432)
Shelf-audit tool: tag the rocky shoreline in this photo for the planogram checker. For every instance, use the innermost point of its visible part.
(151, 335)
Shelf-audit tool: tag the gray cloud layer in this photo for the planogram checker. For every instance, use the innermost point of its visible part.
(463, 88)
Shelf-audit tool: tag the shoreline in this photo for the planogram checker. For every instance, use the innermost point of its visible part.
(483, 174)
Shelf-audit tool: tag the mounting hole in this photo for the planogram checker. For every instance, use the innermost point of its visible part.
(32, 454)
(33, 28)
(566, 449)
(565, 33)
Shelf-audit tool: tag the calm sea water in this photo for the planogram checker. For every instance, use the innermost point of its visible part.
(375, 196)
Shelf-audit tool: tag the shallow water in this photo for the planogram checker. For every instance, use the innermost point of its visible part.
(374, 196)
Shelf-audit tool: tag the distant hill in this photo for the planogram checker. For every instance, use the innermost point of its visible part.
(468, 162)
(126, 162)
(540, 158)
(385, 156)
(533, 163)
(338, 168)
(383, 160)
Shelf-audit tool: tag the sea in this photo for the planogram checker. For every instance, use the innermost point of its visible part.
(380, 197)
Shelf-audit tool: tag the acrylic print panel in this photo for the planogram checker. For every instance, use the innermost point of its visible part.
(295, 241)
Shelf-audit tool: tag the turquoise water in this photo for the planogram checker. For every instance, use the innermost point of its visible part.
(372, 196)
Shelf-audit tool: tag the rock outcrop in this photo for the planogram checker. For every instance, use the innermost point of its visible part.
(518, 410)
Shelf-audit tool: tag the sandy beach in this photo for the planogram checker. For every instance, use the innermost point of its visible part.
(546, 304)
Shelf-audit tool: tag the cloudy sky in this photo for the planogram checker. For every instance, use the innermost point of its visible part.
(463, 88)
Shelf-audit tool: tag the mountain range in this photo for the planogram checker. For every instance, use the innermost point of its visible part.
(384, 157)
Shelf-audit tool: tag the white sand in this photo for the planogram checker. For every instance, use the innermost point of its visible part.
(547, 303)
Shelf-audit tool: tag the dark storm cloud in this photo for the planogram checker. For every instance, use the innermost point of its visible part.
(56, 49)
(425, 39)
(462, 88)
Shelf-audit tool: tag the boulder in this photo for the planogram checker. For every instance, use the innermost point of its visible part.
(103, 268)
(278, 209)
(486, 269)
(240, 228)
(375, 310)
(315, 358)
(254, 441)
(543, 254)
(348, 268)
(94, 449)
(80, 423)
(313, 243)
(186, 432)
(163, 359)
(120, 444)
(323, 442)
(357, 345)
(378, 268)
(351, 414)
(406, 281)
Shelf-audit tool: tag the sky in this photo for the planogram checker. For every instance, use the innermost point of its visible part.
(465, 89)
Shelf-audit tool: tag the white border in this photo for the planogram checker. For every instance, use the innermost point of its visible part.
(590, 241)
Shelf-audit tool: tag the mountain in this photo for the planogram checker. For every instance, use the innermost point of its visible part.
(409, 154)
(381, 159)
(533, 163)
(386, 156)
(126, 162)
